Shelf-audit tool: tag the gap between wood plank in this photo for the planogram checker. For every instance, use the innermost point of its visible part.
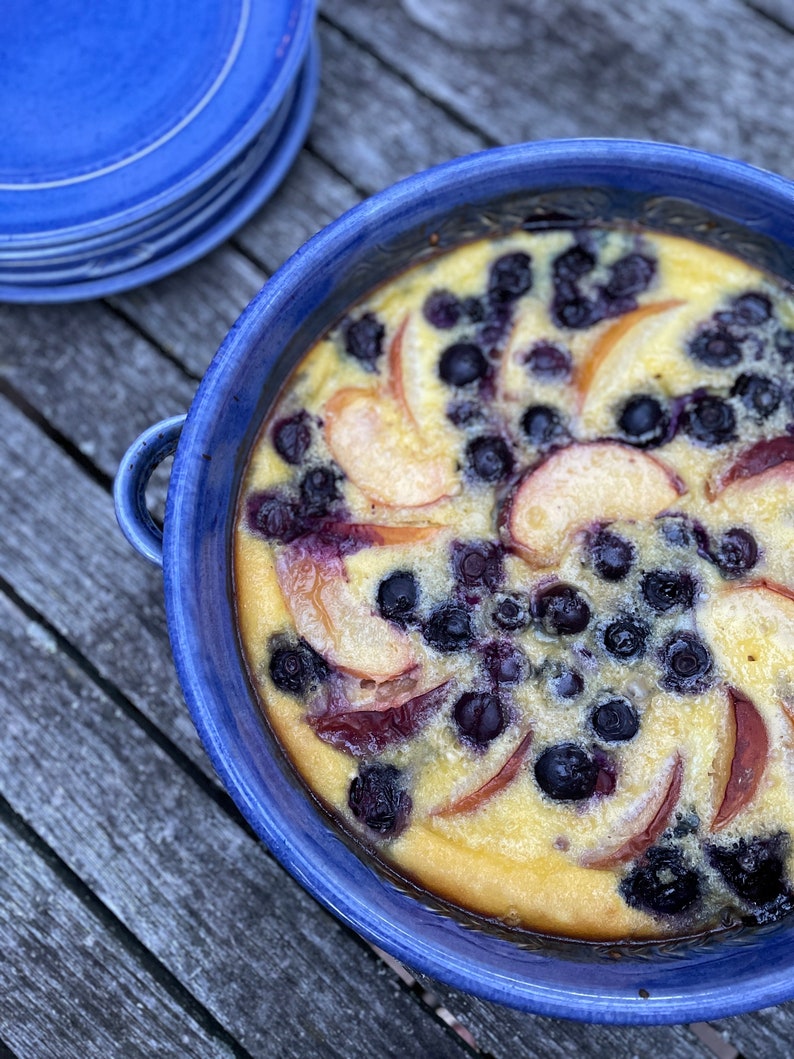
(192, 1007)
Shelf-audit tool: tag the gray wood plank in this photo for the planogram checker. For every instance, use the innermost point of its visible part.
(714, 74)
(780, 11)
(767, 1034)
(372, 125)
(68, 987)
(274, 969)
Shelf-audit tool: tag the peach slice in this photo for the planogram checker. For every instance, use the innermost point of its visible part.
(374, 534)
(610, 341)
(506, 774)
(748, 762)
(767, 457)
(337, 624)
(580, 486)
(644, 822)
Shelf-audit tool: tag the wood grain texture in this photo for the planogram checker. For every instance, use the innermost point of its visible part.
(70, 988)
(203, 897)
(713, 75)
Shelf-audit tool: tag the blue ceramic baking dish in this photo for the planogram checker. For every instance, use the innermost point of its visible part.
(722, 202)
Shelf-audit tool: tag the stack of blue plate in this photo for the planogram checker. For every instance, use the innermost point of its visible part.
(137, 135)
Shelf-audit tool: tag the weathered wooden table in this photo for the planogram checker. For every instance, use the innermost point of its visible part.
(138, 915)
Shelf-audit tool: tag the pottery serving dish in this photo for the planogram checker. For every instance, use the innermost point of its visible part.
(725, 204)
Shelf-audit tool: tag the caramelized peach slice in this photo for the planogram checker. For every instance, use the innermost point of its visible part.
(474, 799)
(622, 338)
(644, 822)
(767, 457)
(748, 761)
(337, 624)
(583, 485)
(381, 451)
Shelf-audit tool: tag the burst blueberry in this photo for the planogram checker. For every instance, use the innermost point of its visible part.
(511, 611)
(760, 395)
(510, 277)
(292, 437)
(663, 590)
(753, 868)
(479, 717)
(398, 595)
(489, 458)
(716, 348)
(364, 339)
(543, 425)
(378, 799)
(625, 638)
(566, 683)
(319, 490)
(505, 663)
(448, 628)
(561, 609)
(709, 420)
(477, 563)
(630, 275)
(573, 263)
(661, 883)
(736, 552)
(275, 516)
(751, 309)
(294, 666)
(442, 309)
(549, 363)
(686, 664)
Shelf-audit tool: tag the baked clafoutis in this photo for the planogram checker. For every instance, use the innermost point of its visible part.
(514, 575)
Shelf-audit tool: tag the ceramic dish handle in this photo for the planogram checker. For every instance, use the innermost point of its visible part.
(129, 489)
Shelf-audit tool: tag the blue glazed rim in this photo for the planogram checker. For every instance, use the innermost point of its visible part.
(666, 983)
(201, 231)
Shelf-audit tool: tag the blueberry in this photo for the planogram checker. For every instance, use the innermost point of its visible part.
(505, 663)
(574, 310)
(489, 458)
(566, 683)
(677, 531)
(644, 421)
(709, 420)
(510, 277)
(442, 309)
(736, 552)
(661, 883)
(751, 309)
(784, 344)
(664, 589)
(463, 413)
(477, 563)
(462, 363)
(294, 667)
(495, 323)
(448, 628)
(630, 275)
(754, 869)
(625, 638)
(573, 263)
(479, 717)
(398, 595)
(759, 395)
(686, 664)
(319, 489)
(715, 348)
(611, 555)
(473, 309)
(615, 721)
(561, 609)
(549, 363)
(275, 516)
(511, 612)
(566, 772)
(379, 800)
(292, 437)
(543, 425)
(364, 339)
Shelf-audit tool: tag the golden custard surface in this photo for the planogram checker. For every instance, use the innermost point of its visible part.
(514, 570)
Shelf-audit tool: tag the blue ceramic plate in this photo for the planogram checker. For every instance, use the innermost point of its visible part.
(147, 252)
(111, 112)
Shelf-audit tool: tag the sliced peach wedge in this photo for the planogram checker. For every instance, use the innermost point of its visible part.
(622, 339)
(746, 731)
(374, 437)
(504, 775)
(335, 622)
(644, 822)
(754, 466)
(580, 486)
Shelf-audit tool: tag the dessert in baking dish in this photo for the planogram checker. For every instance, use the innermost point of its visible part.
(514, 569)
